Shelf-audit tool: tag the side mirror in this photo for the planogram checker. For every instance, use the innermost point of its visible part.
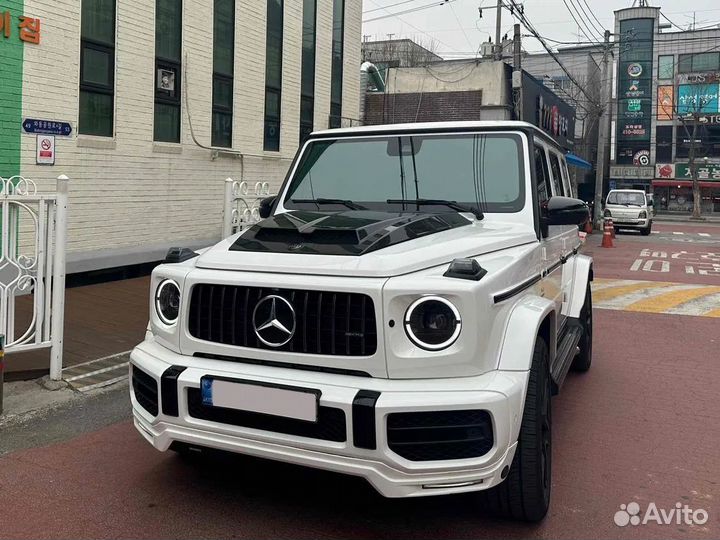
(266, 206)
(650, 202)
(565, 211)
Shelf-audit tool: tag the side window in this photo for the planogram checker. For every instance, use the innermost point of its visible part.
(566, 180)
(542, 174)
(557, 183)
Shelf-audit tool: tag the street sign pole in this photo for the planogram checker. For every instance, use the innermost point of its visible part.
(2, 369)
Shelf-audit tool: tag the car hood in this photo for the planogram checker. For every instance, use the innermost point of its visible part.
(360, 243)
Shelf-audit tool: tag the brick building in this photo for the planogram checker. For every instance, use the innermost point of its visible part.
(166, 98)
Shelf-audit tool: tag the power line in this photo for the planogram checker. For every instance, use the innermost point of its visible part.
(437, 3)
(593, 16)
(585, 28)
(391, 5)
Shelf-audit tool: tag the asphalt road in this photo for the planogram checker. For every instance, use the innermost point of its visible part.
(641, 426)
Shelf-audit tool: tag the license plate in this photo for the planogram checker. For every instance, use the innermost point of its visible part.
(277, 400)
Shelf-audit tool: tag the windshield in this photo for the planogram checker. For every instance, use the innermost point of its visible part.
(626, 198)
(480, 171)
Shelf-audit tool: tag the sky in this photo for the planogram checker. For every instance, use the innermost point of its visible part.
(456, 29)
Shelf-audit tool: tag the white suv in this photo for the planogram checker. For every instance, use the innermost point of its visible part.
(404, 312)
(629, 209)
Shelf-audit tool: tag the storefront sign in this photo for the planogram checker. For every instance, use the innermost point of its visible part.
(634, 109)
(710, 171)
(48, 127)
(681, 171)
(45, 150)
(28, 27)
(665, 100)
(697, 98)
(631, 172)
(546, 110)
(698, 78)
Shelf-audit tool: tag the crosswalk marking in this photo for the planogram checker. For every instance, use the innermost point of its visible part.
(703, 234)
(656, 297)
(678, 232)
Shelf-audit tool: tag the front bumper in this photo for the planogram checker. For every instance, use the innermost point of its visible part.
(631, 223)
(501, 394)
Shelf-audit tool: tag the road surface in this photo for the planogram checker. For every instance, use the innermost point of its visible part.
(642, 426)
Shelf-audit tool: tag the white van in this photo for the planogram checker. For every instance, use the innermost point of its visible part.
(629, 209)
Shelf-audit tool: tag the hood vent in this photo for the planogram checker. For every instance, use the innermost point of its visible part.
(353, 232)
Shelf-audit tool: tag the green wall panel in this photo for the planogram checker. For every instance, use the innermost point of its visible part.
(11, 80)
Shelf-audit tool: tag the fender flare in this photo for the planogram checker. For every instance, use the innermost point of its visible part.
(524, 324)
(583, 276)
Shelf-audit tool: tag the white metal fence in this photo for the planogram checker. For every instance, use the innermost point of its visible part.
(33, 230)
(242, 205)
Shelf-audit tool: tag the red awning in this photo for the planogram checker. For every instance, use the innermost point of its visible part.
(683, 183)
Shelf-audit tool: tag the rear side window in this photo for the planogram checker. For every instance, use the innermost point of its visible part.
(542, 174)
(556, 175)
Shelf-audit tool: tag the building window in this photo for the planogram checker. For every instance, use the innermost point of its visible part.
(307, 78)
(336, 76)
(223, 72)
(97, 68)
(666, 67)
(698, 62)
(168, 50)
(663, 148)
(273, 74)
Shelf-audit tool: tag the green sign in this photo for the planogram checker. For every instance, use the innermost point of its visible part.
(710, 171)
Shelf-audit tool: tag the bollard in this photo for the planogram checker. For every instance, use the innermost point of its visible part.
(2, 369)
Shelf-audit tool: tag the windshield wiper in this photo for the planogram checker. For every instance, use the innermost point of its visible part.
(349, 204)
(439, 202)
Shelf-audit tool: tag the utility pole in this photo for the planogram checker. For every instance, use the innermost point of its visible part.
(498, 18)
(517, 73)
(605, 113)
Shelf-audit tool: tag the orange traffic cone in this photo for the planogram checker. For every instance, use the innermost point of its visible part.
(612, 228)
(607, 235)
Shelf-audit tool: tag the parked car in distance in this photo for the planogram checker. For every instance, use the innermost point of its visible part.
(404, 312)
(629, 209)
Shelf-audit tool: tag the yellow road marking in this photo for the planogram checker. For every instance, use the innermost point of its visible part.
(662, 302)
(609, 293)
(713, 313)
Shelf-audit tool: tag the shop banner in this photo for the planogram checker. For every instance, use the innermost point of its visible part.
(666, 102)
(697, 98)
(704, 172)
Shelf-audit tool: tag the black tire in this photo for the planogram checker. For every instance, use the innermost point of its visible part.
(617, 229)
(583, 359)
(525, 494)
(646, 230)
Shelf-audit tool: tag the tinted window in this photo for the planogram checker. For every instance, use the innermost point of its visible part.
(556, 175)
(483, 171)
(541, 174)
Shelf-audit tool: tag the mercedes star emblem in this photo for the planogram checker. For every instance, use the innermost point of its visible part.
(274, 320)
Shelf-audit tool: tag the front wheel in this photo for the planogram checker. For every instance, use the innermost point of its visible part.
(646, 230)
(525, 494)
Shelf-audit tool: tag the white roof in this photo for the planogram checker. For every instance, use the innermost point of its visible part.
(418, 126)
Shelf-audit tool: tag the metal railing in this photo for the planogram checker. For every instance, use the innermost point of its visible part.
(242, 205)
(33, 230)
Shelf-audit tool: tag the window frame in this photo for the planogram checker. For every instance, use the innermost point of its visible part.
(672, 67)
(221, 77)
(307, 127)
(337, 71)
(272, 144)
(161, 97)
(108, 47)
(691, 57)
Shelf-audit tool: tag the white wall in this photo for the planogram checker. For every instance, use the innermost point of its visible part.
(131, 198)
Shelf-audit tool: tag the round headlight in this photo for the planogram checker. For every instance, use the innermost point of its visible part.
(167, 301)
(432, 323)
(642, 214)
(607, 213)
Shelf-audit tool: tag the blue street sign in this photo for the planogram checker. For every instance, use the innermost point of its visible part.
(613, 184)
(46, 127)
